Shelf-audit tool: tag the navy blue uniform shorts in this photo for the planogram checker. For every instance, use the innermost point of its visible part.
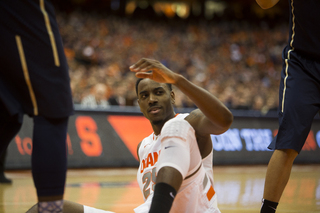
(299, 100)
(34, 76)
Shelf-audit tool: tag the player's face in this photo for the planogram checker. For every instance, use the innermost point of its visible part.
(155, 101)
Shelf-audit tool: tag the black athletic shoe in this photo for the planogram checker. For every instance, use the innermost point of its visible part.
(5, 180)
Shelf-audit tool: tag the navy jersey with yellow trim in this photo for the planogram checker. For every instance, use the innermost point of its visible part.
(34, 77)
(304, 32)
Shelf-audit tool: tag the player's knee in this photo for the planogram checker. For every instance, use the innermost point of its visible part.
(286, 154)
(49, 142)
(51, 130)
(55, 122)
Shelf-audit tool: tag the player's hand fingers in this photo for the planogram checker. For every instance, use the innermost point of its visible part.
(141, 64)
(148, 68)
(144, 75)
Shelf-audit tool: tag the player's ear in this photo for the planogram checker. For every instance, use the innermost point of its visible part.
(173, 97)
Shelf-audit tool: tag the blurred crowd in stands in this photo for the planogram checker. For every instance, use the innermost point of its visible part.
(237, 61)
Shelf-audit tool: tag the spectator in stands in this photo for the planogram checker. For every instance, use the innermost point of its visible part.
(98, 98)
(119, 97)
(117, 42)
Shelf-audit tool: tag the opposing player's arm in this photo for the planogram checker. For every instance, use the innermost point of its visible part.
(266, 4)
(212, 118)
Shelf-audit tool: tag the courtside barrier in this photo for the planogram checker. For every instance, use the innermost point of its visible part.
(109, 137)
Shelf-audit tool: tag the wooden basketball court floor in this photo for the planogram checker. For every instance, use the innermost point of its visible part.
(239, 189)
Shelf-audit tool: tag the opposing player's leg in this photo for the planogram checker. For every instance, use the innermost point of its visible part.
(68, 206)
(9, 127)
(299, 100)
(174, 162)
(3, 178)
(49, 162)
(278, 173)
(72, 207)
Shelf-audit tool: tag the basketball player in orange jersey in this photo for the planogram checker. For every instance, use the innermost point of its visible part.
(181, 146)
(175, 172)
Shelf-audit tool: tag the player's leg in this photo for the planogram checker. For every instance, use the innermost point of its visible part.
(278, 173)
(9, 127)
(68, 207)
(299, 99)
(3, 178)
(49, 162)
(72, 207)
(174, 162)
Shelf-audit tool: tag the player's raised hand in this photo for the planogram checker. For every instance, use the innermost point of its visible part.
(159, 72)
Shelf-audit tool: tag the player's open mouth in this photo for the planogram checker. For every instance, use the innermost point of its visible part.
(154, 110)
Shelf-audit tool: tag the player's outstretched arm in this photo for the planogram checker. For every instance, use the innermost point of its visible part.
(266, 4)
(212, 118)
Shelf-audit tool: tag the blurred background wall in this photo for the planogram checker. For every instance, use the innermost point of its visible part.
(231, 48)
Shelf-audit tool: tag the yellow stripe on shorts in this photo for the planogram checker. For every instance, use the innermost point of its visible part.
(286, 61)
(51, 35)
(26, 74)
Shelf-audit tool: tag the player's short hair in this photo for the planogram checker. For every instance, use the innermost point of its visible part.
(140, 79)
